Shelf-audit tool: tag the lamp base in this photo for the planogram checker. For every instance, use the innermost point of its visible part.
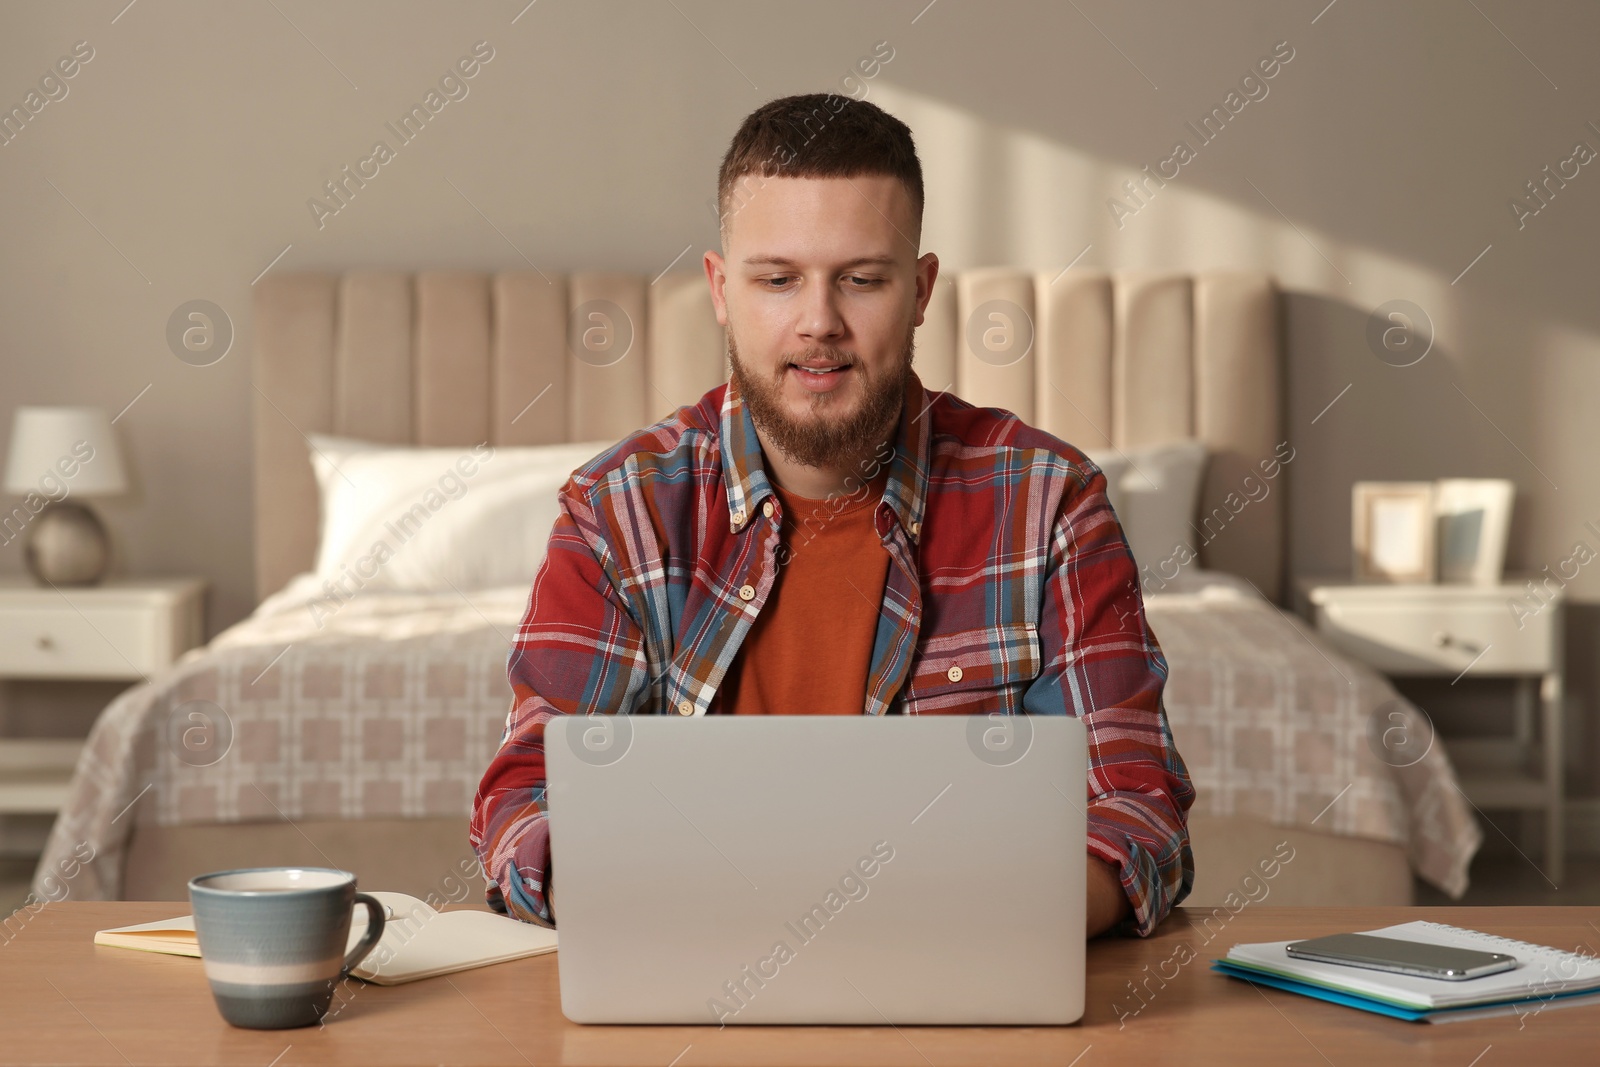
(67, 545)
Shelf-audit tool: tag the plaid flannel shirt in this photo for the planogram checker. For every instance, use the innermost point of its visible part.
(1005, 561)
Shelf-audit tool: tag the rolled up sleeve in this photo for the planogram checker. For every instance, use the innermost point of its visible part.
(1102, 663)
(577, 651)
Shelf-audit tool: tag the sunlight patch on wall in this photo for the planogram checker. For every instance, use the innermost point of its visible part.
(999, 195)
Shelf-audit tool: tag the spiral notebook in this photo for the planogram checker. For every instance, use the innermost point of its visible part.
(1542, 974)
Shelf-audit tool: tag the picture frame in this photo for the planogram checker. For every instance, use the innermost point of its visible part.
(1474, 521)
(1394, 531)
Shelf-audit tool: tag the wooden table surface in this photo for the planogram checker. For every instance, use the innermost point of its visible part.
(65, 1000)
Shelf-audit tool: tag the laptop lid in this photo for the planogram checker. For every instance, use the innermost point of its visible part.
(819, 869)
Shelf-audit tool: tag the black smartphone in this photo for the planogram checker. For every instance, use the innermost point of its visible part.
(1415, 958)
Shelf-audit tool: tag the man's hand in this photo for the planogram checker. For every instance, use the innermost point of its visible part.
(1107, 903)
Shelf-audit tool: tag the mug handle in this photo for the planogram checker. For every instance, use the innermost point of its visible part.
(369, 940)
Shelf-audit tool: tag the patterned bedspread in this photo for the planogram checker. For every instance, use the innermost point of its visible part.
(1274, 724)
(391, 707)
(384, 706)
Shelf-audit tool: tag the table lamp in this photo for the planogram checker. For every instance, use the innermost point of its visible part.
(58, 454)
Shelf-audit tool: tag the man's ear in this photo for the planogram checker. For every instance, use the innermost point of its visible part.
(927, 274)
(716, 278)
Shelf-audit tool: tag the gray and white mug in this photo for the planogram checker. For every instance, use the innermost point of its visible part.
(273, 940)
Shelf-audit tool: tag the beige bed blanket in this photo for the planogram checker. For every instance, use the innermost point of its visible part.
(386, 706)
(1274, 724)
(391, 706)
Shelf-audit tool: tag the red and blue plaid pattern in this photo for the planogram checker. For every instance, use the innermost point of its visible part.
(1006, 561)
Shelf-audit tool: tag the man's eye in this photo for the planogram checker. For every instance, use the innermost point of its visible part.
(854, 281)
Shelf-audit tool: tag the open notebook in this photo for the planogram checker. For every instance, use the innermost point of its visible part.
(422, 942)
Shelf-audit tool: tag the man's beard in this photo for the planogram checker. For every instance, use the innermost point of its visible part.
(817, 440)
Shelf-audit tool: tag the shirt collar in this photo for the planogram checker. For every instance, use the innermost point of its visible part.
(905, 492)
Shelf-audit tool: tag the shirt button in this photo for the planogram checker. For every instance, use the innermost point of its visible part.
(916, 529)
(685, 708)
(766, 509)
(954, 674)
(738, 517)
(747, 592)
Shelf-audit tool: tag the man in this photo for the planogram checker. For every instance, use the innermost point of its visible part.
(823, 536)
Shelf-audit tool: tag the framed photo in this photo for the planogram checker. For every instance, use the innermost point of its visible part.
(1474, 516)
(1394, 532)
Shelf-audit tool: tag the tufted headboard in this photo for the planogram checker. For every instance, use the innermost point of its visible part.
(521, 358)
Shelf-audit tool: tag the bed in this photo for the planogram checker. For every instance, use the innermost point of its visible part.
(356, 738)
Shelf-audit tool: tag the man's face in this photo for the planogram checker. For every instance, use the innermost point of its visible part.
(820, 290)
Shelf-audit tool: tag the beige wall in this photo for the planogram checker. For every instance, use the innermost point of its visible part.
(1379, 164)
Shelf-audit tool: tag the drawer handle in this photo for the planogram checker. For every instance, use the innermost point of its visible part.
(1445, 640)
(45, 642)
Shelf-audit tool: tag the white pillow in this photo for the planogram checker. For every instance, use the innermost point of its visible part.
(1155, 492)
(433, 519)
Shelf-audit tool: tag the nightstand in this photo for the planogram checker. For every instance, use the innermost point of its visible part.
(121, 630)
(1456, 631)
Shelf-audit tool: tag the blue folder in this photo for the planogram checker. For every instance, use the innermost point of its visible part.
(1332, 996)
(1378, 1007)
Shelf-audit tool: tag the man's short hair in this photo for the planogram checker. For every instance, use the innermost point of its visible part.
(817, 135)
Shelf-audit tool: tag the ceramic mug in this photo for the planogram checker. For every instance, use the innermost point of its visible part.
(273, 940)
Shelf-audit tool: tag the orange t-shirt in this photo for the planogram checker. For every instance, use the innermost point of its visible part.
(809, 650)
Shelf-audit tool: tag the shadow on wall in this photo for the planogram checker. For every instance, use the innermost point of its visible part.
(1582, 650)
(1376, 394)
(1359, 411)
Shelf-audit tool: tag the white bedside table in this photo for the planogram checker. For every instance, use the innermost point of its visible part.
(1453, 631)
(120, 630)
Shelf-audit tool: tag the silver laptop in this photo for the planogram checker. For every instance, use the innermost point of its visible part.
(819, 869)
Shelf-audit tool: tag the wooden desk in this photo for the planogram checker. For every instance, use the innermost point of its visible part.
(64, 1000)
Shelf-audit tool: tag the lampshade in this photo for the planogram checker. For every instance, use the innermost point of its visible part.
(71, 447)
